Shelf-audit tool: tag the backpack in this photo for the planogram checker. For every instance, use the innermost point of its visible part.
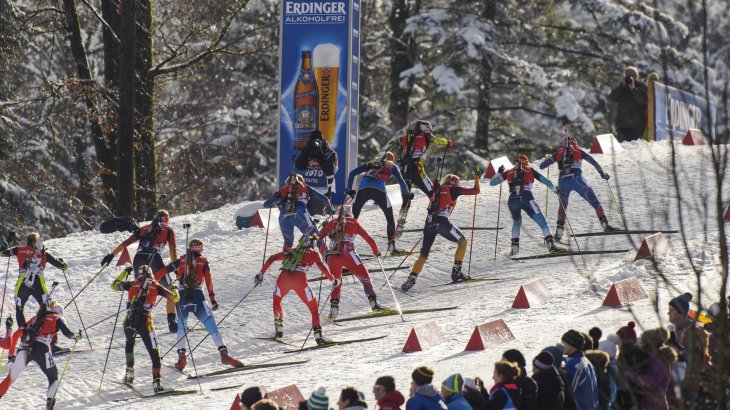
(120, 224)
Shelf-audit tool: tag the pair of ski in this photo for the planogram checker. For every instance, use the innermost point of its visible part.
(329, 343)
(145, 395)
(238, 369)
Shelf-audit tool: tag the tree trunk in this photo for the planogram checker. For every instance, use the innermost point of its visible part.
(402, 58)
(145, 158)
(481, 139)
(106, 150)
(125, 177)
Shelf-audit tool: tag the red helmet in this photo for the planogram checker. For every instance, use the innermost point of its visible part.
(389, 156)
(452, 180)
(422, 126)
(196, 246)
(524, 161)
(162, 218)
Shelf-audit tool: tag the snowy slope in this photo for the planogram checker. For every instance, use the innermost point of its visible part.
(579, 285)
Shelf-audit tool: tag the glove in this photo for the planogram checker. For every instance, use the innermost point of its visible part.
(107, 259)
(11, 359)
(501, 169)
(376, 252)
(12, 237)
(129, 269)
(214, 305)
(78, 336)
(351, 193)
(259, 279)
(65, 265)
(477, 172)
(337, 282)
(606, 176)
(557, 190)
(9, 322)
(175, 295)
(450, 143)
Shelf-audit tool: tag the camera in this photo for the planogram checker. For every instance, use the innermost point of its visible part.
(186, 226)
(315, 144)
(629, 80)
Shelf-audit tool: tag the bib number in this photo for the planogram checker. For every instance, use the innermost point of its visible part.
(49, 360)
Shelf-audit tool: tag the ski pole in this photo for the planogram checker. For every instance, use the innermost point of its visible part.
(397, 304)
(473, 221)
(547, 192)
(266, 241)
(85, 286)
(402, 262)
(187, 340)
(76, 306)
(620, 212)
(319, 295)
(119, 309)
(10, 238)
(565, 211)
(499, 211)
(65, 367)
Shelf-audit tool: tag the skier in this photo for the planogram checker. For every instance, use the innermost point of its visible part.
(318, 163)
(143, 292)
(442, 204)
(294, 268)
(292, 200)
(372, 187)
(152, 240)
(191, 270)
(569, 158)
(414, 144)
(520, 180)
(32, 258)
(342, 253)
(35, 337)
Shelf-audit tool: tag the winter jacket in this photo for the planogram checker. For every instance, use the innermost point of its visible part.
(527, 390)
(600, 360)
(631, 358)
(357, 405)
(550, 389)
(426, 398)
(583, 380)
(570, 402)
(474, 398)
(458, 402)
(498, 400)
(631, 106)
(654, 380)
(391, 401)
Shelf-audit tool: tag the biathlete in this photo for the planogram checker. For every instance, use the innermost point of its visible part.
(36, 336)
(414, 144)
(372, 187)
(292, 201)
(570, 158)
(520, 180)
(342, 254)
(142, 293)
(152, 241)
(32, 258)
(442, 205)
(191, 270)
(293, 276)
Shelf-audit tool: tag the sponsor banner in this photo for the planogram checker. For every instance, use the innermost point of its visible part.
(318, 85)
(675, 112)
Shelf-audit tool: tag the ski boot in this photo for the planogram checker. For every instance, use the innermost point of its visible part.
(392, 250)
(172, 323)
(551, 245)
(456, 274)
(182, 360)
(515, 247)
(559, 232)
(129, 375)
(279, 328)
(50, 403)
(334, 309)
(606, 227)
(318, 336)
(408, 284)
(156, 383)
(373, 300)
(227, 359)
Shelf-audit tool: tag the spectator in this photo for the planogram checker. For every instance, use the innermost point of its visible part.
(318, 400)
(265, 404)
(423, 395)
(581, 373)
(550, 387)
(557, 352)
(387, 396)
(472, 394)
(610, 346)
(600, 361)
(631, 357)
(717, 343)
(596, 334)
(250, 396)
(691, 345)
(526, 387)
(631, 99)
(351, 399)
(503, 394)
(318, 165)
(451, 392)
(302, 405)
(654, 380)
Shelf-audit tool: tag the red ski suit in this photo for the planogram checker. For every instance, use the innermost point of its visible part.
(296, 280)
(345, 256)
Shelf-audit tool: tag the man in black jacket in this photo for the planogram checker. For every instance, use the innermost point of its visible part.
(318, 165)
(526, 387)
(631, 97)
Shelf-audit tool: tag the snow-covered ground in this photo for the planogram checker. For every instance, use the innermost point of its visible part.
(578, 284)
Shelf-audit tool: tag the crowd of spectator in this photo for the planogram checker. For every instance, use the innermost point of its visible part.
(673, 367)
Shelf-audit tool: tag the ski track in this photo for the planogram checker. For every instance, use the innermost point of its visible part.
(649, 202)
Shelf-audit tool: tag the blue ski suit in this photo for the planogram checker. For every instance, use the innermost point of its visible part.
(293, 211)
(520, 180)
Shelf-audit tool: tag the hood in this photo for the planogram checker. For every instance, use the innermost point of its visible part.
(358, 405)
(428, 390)
(395, 397)
(598, 358)
(667, 354)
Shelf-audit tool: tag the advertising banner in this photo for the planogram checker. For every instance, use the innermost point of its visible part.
(318, 86)
(684, 110)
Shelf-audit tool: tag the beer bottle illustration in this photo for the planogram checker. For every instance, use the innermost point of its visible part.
(305, 103)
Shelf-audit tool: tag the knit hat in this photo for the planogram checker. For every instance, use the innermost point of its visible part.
(453, 383)
(557, 352)
(632, 71)
(573, 338)
(544, 360)
(627, 334)
(515, 356)
(609, 345)
(387, 382)
(681, 303)
(655, 338)
(318, 400)
(422, 375)
(250, 396)
(596, 334)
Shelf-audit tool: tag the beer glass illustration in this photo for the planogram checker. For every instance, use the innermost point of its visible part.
(305, 103)
(327, 74)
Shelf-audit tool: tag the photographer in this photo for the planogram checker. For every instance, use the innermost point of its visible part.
(318, 163)
(631, 97)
